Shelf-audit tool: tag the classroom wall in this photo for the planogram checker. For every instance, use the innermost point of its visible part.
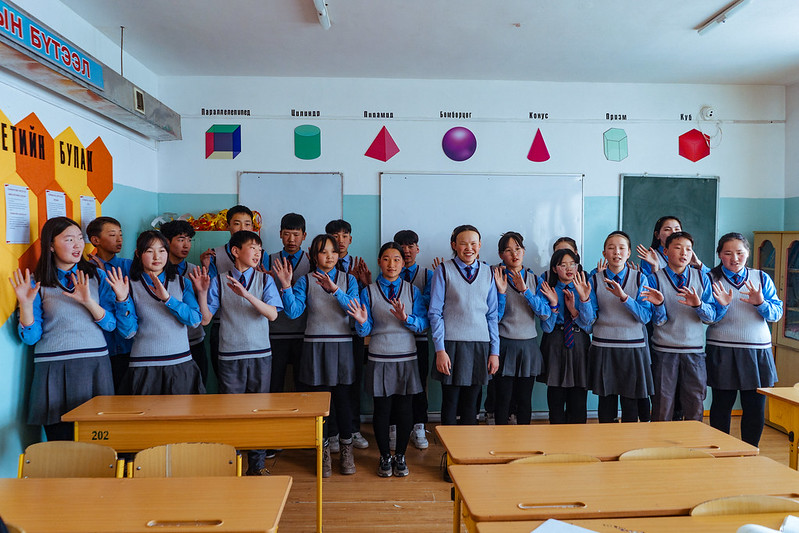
(792, 158)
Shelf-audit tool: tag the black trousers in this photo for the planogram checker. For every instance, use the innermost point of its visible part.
(510, 391)
(201, 358)
(340, 420)
(419, 402)
(752, 419)
(396, 409)
(459, 401)
(285, 352)
(567, 405)
(355, 389)
(631, 409)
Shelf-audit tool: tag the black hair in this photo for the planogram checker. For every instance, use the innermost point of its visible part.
(95, 227)
(460, 229)
(46, 271)
(144, 241)
(659, 224)
(240, 238)
(621, 234)
(568, 240)
(235, 210)
(292, 221)
(715, 272)
(557, 257)
(506, 237)
(406, 237)
(679, 235)
(338, 226)
(176, 228)
(318, 244)
(391, 245)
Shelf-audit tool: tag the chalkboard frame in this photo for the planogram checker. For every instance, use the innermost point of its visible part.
(657, 206)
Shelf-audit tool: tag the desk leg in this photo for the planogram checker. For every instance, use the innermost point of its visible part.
(786, 415)
(75, 426)
(456, 505)
(319, 445)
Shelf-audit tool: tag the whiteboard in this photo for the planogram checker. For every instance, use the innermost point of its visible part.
(316, 196)
(542, 207)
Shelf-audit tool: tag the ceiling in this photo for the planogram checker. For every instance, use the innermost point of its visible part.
(635, 41)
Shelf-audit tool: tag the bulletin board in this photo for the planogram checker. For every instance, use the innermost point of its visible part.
(316, 196)
(692, 199)
(542, 207)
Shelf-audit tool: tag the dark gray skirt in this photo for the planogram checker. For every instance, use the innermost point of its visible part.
(739, 368)
(183, 378)
(623, 371)
(386, 377)
(469, 364)
(520, 358)
(60, 386)
(327, 363)
(565, 367)
(238, 376)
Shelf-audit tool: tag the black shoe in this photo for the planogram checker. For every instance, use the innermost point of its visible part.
(258, 472)
(443, 466)
(400, 468)
(271, 454)
(384, 466)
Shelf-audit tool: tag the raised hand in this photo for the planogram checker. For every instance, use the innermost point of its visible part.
(97, 260)
(582, 286)
(601, 265)
(25, 291)
(615, 289)
(568, 299)
(282, 272)
(649, 255)
(631, 265)
(236, 286)
(82, 293)
(695, 262)
(500, 279)
(325, 281)
(200, 279)
(689, 297)
(358, 311)
(360, 270)
(398, 310)
(518, 280)
(722, 297)
(205, 257)
(437, 261)
(652, 295)
(549, 293)
(158, 288)
(119, 283)
(754, 295)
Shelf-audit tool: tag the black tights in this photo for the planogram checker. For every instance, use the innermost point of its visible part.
(396, 409)
(567, 405)
(752, 419)
(60, 431)
(509, 389)
(459, 400)
(632, 409)
(340, 420)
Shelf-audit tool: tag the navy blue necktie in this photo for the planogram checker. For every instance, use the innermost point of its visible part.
(392, 292)
(243, 280)
(680, 281)
(469, 272)
(408, 275)
(736, 278)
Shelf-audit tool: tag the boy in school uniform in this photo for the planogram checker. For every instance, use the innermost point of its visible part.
(179, 233)
(420, 278)
(683, 299)
(220, 259)
(245, 300)
(341, 230)
(285, 334)
(105, 234)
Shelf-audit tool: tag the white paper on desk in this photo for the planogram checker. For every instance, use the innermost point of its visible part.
(790, 524)
(56, 204)
(88, 212)
(18, 215)
(556, 526)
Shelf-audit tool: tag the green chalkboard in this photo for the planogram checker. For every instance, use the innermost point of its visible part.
(694, 200)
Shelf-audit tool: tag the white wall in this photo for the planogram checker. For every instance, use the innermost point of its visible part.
(750, 158)
(792, 142)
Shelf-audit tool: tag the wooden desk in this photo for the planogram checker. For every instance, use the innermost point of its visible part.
(509, 492)
(501, 444)
(146, 504)
(783, 410)
(668, 524)
(245, 421)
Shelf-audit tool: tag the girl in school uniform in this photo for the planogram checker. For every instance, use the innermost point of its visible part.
(64, 313)
(327, 361)
(165, 306)
(739, 358)
(654, 257)
(521, 297)
(463, 321)
(392, 372)
(620, 364)
(566, 339)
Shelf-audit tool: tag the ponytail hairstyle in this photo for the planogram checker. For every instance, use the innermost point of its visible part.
(715, 272)
(46, 271)
(557, 257)
(659, 224)
(146, 240)
(317, 245)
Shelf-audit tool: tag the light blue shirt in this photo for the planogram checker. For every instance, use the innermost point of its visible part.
(295, 298)
(585, 311)
(436, 309)
(417, 317)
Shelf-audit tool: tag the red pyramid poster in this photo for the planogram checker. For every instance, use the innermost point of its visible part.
(538, 151)
(383, 147)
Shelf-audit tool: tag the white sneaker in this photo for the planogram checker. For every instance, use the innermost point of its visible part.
(512, 420)
(419, 437)
(334, 444)
(358, 441)
(392, 437)
(490, 419)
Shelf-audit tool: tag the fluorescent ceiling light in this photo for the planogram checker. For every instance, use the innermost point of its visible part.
(721, 17)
